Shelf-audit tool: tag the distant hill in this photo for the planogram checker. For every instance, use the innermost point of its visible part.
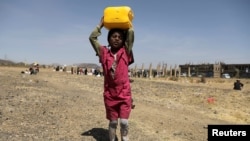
(6, 62)
(12, 63)
(88, 65)
(82, 65)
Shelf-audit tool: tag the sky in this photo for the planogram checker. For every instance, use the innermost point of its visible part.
(173, 32)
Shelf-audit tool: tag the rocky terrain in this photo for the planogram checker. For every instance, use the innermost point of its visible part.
(59, 106)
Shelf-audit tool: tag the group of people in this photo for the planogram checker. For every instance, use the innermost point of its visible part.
(33, 69)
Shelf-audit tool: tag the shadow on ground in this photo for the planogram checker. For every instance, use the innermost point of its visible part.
(99, 134)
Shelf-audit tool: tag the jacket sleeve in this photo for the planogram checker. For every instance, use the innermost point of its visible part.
(93, 38)
(129, 44)
(129, 40)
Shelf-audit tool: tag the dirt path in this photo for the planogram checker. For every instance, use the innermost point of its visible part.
(63, 107)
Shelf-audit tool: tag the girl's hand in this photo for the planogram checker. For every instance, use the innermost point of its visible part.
(101, 24)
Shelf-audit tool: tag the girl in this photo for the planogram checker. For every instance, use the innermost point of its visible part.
(115, 59)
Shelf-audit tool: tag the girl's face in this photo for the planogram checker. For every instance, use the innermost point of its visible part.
(116, 40)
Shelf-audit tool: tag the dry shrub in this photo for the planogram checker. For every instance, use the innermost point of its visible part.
(173, 78)
(247, 82)
(238, 115)
(221, 81)
(191, 80)
(203, 80)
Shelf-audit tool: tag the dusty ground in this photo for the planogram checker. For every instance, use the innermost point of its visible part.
(57, 106)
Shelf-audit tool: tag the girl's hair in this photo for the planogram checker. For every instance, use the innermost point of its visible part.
(123, 32)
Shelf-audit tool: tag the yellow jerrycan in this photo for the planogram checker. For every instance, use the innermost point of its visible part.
(118, 17)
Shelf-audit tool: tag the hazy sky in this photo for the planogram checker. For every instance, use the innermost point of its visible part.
(166, 31)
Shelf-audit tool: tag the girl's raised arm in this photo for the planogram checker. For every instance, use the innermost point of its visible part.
(93, 38)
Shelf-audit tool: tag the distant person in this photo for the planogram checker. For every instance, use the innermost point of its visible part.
(36, 67)
(77, 70)
(72, 70)
(115, 59)
(86, 71)
(32, 71)
(57, 68)
(238, 85)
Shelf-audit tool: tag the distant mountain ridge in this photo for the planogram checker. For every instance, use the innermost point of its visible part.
(12, 63)
(88, 65)
(6, 62)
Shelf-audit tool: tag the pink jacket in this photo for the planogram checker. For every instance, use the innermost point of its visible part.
(116, 89)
